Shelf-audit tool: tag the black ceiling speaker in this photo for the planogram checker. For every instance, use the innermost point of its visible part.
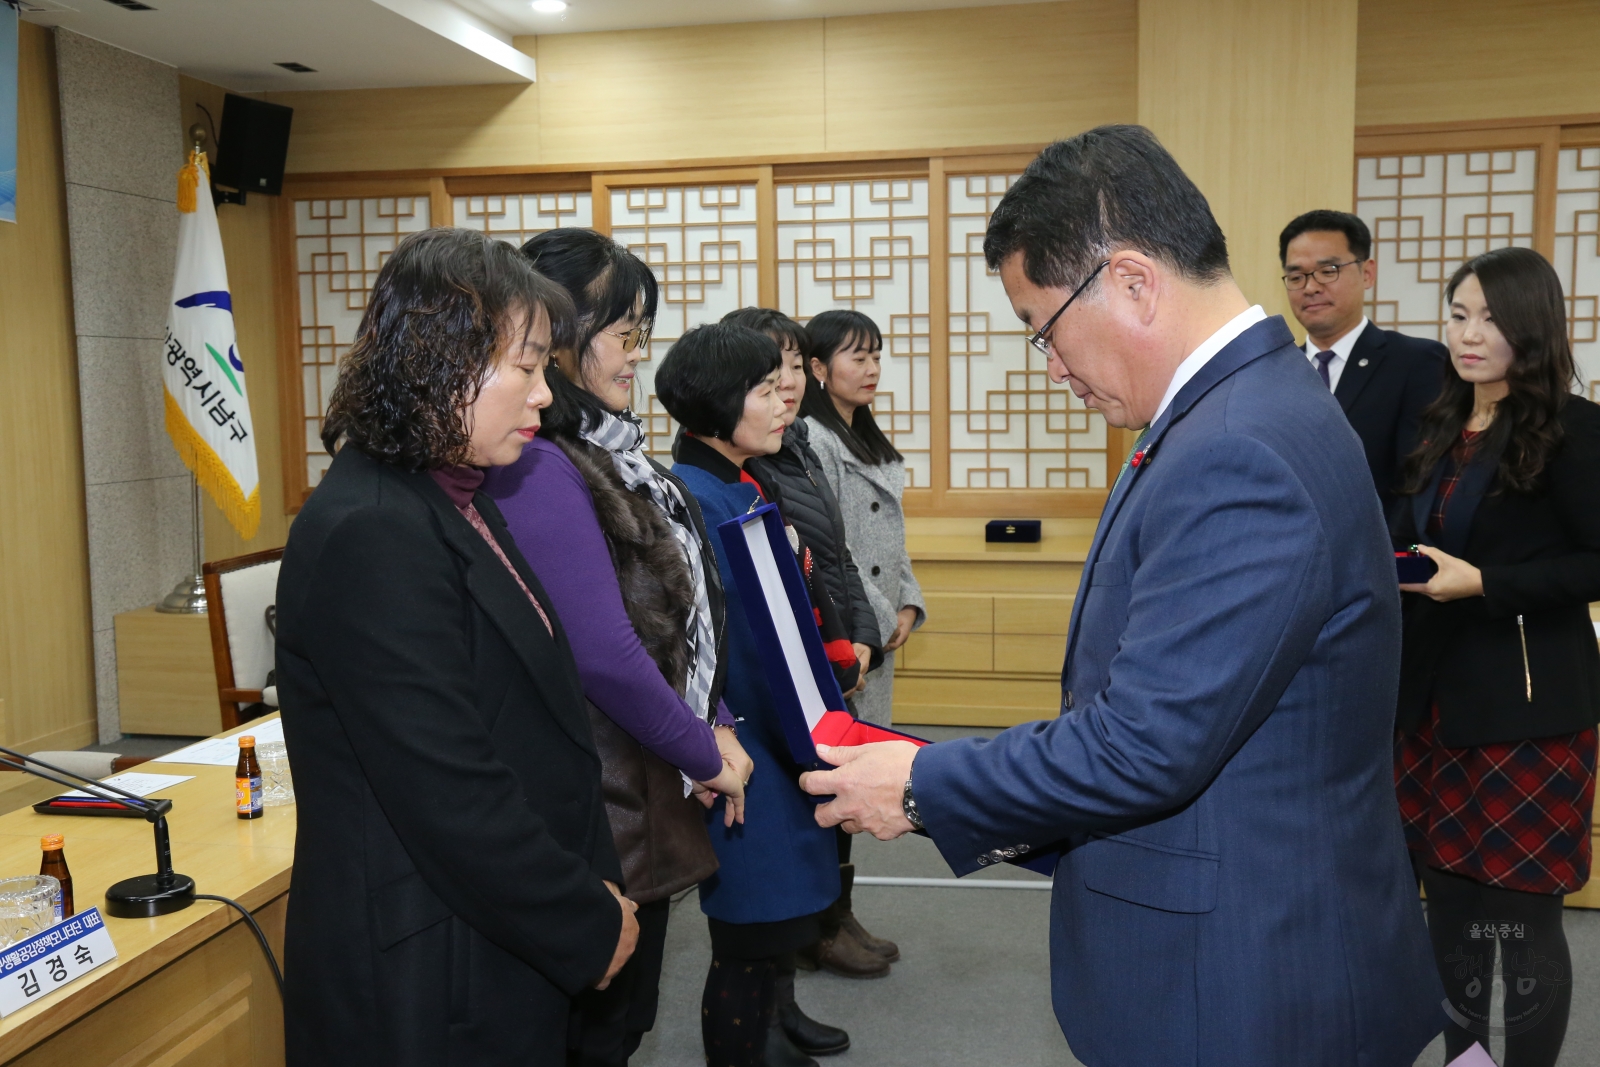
(252, 146)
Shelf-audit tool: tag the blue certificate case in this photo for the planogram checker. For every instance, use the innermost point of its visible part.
(810, 705)
(779, 611)
(1414, 568)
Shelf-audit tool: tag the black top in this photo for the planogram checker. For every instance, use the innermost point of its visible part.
(1387, 381)
(1540, 558)
(446, 900)
(809, 503)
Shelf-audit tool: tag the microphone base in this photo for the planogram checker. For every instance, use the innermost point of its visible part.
(145, 897)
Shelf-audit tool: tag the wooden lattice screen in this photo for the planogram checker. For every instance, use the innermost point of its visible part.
(963, 396)
(1435, 199)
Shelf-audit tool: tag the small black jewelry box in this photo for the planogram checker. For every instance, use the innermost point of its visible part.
(1021, 531)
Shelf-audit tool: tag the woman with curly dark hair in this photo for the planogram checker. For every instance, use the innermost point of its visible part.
(1500, 675)
(455, 883)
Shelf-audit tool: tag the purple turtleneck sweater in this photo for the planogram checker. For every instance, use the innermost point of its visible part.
(461, 484)
(551, 516)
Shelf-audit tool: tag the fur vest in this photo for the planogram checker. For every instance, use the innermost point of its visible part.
(660, 834)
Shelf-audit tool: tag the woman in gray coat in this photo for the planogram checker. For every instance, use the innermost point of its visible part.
(868, 475)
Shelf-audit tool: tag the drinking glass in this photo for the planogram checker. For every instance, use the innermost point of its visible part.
(27, 906)
(277, 784)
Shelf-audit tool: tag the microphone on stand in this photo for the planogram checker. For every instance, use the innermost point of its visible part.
(146, 895)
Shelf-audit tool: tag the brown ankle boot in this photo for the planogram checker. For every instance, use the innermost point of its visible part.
(882, 947)
(839, 951)
(844, 955)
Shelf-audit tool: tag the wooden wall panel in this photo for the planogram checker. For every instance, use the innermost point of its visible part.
(413, 129)
(926, 79)
(46, 655)
(247, 247)
(980, 76)
(687, 92)
(1256, 99)
(1427, 61)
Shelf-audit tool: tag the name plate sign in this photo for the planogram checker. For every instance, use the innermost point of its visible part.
(37, 967)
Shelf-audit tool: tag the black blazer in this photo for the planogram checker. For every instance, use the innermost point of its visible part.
(446, 900)
(1540, 558)
(809, 503)
(1387, 381)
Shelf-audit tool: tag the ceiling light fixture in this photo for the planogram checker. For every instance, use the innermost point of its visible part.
(549, 7)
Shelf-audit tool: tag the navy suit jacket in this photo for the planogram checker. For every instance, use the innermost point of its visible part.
(1387, 381)
(1233, 888)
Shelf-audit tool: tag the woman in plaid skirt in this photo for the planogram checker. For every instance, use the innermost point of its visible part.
(1500, 675)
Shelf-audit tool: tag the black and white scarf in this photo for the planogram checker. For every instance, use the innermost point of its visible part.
(623, 437)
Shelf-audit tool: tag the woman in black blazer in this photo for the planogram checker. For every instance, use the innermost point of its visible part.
(1500, 674)
(454, 880)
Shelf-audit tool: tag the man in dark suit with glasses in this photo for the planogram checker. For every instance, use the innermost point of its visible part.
(1216, 795)
(1382, 379)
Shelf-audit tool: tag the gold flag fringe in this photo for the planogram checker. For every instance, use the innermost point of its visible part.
(189, 181)
(212, 474)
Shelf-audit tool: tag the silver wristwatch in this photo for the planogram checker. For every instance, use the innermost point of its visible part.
(908, 804)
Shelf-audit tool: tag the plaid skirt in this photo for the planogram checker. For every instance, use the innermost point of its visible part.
(1514, 815)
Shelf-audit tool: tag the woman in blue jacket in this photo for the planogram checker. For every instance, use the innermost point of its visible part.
(779, 869)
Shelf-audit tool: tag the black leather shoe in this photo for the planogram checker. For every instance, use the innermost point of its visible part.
(810, 1036)
(781, 1052)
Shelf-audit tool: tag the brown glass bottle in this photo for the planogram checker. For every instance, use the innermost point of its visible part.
(247, 781)
(55, 865)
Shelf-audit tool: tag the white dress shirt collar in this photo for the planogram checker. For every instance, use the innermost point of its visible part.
(1209, 347)
(1341, 352)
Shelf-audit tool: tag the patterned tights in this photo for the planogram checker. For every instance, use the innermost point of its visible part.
(1465, 918)
(735, 1011)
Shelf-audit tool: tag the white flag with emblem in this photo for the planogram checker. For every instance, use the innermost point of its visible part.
(208, 409)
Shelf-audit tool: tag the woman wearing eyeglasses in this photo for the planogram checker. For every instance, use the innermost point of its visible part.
(868, 475)
(621, 547)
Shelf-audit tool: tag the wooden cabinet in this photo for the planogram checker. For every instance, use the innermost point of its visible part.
(166, 681)
(990, 653)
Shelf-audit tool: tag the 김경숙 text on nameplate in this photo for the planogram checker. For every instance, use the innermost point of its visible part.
(37, 967)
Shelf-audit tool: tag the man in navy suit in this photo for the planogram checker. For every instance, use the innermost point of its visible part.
(1382, 379)
(1232, 887)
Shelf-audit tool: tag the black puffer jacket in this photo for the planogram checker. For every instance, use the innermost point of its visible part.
(809, 503)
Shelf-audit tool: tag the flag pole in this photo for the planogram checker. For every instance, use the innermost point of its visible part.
(188, 597)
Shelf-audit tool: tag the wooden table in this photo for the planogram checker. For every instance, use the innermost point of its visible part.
(188, 988)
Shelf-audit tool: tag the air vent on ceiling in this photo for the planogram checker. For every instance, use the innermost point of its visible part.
(298, 68)
(131, 5)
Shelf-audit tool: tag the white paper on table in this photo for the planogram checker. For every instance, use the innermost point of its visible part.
(224, 751)
(136, 782)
